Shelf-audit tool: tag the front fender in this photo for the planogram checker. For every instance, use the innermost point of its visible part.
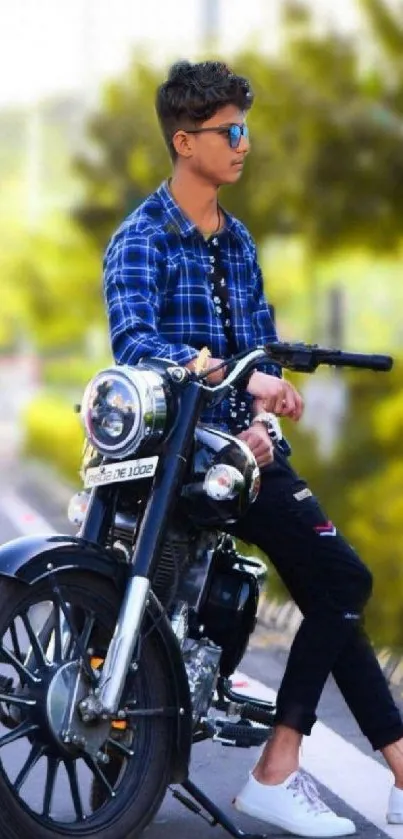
(28, 558)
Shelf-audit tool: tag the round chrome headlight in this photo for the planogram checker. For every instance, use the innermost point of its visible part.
(123, 407)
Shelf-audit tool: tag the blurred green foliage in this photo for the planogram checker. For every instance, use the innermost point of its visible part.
(321, 133)
(71, 374)
(53, 433)
(126, 157)
(321, 195)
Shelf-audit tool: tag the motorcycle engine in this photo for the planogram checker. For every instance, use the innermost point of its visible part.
(209, 592)
(202, 663)
(182, 550)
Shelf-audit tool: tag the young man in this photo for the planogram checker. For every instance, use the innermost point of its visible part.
(181, 274)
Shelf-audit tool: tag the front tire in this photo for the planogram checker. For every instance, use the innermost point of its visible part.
(49, 794)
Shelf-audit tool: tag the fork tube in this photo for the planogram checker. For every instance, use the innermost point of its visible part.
(98, 516)
(167, 483)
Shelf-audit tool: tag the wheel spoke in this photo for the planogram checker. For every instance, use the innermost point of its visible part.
(80, 642)
(16, 699)
(16, 644)
(151, 712)
(69, 646)
(62, 607)
(35, 754)
(87, 629)
(51, 773)
(71, 770)
(22, 730)
(97, 771)
(120, 747)
(7, 657)
(36, 645)
(57, 633)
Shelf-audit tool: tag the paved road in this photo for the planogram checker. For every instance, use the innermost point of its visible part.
(350, 778)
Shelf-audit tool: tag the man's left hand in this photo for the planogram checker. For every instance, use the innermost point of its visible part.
(259, 442)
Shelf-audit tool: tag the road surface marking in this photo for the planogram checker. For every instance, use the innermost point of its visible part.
(24, 518)
(358, 780)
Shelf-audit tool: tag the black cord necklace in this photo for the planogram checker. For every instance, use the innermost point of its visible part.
(214, 232)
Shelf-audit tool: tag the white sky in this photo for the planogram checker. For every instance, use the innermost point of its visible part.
(51, 46)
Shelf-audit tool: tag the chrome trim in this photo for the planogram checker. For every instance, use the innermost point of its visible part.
(146, 393)
(125, 521)
(121, 648)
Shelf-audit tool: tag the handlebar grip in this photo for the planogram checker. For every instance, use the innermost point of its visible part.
(382, 363)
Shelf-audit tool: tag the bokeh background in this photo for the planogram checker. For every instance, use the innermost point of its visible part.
(322, 194)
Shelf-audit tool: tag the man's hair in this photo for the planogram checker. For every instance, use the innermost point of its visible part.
(193, 93)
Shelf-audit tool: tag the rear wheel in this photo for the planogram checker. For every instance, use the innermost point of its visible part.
(50, 788)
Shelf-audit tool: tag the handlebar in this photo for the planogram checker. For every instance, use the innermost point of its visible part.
(307, 357)
(246, 363)
(300, 357)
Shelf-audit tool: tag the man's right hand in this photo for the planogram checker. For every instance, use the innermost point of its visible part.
(275, 395)
(212, 378)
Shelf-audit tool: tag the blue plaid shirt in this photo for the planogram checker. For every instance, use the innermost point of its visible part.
(158, 297)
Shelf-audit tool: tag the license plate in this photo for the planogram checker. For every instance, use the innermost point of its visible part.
(114, 473)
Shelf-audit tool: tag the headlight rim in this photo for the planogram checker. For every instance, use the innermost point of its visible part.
(147, 388)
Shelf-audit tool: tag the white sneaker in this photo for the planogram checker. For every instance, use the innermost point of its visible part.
(294, 805)
(394, 814)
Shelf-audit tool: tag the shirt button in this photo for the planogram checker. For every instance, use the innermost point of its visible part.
(212, 258)
(227, 322)
(222, 281)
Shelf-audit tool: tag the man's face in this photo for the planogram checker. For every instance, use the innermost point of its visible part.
(209, 154)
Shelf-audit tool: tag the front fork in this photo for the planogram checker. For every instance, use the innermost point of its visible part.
(122, 646)
(169, 477)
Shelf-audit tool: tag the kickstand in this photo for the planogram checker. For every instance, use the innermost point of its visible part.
(217, 816)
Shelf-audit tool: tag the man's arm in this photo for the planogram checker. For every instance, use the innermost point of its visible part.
(133, 269)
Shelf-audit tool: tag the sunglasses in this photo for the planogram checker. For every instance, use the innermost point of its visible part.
(233, 132)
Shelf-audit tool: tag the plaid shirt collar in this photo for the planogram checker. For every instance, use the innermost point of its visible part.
(182, 224)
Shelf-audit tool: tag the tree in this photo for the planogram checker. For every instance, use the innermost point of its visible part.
(375, 529)
(322, 165)
(387, 31)
(57, 277)
(386, 28)
(361, 489)
(325, 160)
(126, 158)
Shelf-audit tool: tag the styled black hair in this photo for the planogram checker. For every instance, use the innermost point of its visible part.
(193, 93)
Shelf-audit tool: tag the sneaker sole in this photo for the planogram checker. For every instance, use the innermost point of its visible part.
(257, 813)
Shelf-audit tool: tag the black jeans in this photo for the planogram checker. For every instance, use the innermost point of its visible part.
(331, 586)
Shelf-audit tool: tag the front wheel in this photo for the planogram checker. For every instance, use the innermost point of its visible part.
(48, 639)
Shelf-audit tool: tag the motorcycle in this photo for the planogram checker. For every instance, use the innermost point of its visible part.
(117, 645)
